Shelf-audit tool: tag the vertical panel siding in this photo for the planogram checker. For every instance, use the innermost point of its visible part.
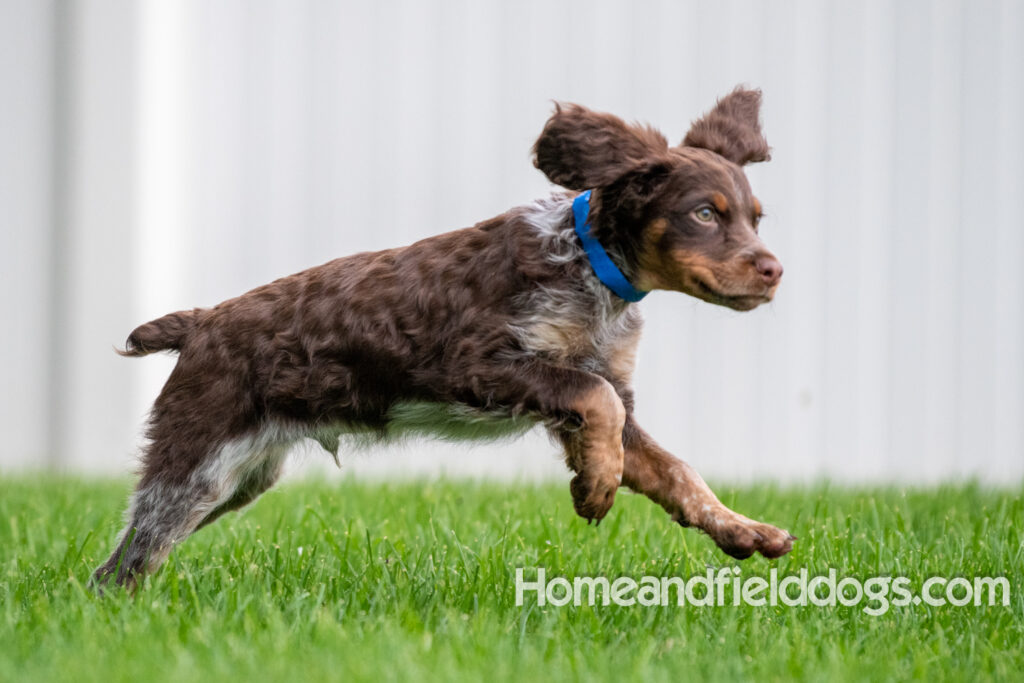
(277, 135)
(1008, 360)
(26, 220)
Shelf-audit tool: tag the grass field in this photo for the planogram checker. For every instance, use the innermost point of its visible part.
(417, 581)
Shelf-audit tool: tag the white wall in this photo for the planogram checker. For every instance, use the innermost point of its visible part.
(26, 218)
(164, 155)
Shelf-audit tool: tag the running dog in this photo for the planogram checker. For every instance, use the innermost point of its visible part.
(526, 318)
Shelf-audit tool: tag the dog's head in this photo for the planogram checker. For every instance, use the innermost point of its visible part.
(682, 218)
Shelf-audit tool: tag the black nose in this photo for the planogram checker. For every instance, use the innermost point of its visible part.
(769, 268)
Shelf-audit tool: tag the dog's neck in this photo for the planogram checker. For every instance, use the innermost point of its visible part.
(602, 264)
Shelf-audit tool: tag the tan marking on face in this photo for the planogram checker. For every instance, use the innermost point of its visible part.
(655, 230)
(731, 281)
(694, 263)
(676, 270)
(757, 207)
(650, 258)
(720, 202)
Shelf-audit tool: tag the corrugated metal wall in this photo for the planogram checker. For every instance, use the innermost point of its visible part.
(163, 155)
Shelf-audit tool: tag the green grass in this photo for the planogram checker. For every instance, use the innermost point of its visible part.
(416, 582)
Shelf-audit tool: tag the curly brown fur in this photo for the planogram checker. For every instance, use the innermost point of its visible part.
(580, 149)
(480, 332)
(733, 129)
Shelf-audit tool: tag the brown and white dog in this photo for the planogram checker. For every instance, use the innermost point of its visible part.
(477, 333)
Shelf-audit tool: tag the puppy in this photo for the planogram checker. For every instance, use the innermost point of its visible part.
(526, 318)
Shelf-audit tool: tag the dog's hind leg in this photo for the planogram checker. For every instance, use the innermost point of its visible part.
(253, 481)
(177, 494)
(673, 484)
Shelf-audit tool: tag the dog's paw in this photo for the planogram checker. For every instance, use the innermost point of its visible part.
(108, 579)
(592, 497)
(742, 538)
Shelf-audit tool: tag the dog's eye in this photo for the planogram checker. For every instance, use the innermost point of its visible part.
(705, 214)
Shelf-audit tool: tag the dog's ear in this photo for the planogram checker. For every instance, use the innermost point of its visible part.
(580, 149)
(732, 128)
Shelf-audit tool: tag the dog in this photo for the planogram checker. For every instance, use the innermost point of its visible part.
(526, 318)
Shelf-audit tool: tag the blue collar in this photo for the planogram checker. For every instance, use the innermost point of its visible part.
(606, 271)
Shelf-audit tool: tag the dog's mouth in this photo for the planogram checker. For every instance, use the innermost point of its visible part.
(737, 302)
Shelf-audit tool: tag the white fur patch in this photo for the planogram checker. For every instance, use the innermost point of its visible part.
(408, 419)
(583, 320)
(454, 421)
(238, 458)
(549, 217)
(211, 484)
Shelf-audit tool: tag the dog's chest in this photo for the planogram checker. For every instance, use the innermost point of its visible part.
(581, 328)
(577, 322)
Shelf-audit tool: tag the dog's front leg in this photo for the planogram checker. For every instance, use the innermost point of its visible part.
(594, 450)
(582, 410)
(673, 484)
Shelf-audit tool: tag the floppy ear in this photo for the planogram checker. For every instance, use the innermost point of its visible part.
(580, 149)
(732, 129)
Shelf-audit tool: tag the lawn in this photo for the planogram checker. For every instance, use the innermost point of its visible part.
(416, 581)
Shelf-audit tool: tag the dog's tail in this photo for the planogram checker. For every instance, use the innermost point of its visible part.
(163, 334)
